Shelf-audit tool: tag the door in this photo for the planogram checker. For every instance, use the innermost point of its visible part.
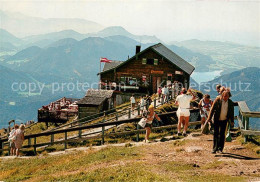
(156, 83)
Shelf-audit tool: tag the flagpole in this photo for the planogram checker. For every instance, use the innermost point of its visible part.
(99, 85)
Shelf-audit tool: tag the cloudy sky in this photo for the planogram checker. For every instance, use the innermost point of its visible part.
(170, 20)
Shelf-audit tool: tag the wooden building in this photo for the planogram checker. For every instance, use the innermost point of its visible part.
(146, 71)
(96, 101)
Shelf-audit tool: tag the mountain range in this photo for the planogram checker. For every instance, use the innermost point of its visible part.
(228, 56)
(22, 25)
(59, 56)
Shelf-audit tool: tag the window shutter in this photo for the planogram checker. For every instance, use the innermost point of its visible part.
(144, 61)
(155, 61)
(122, 79)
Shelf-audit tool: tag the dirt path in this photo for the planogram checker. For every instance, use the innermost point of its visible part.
(196, 149)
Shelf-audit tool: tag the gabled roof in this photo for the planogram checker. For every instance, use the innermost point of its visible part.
(174, 58)
(111, 65)
(89, 100)
(99, 93)
(166, 53)
(95, 97)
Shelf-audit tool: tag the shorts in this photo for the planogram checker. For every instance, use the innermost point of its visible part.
(148, 125)
(203, 115)
(183, 112)
(12, 145)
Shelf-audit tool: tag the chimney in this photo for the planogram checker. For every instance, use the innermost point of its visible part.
(138, 49)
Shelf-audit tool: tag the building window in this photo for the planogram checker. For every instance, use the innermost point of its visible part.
(169, 76)
(178, 72)
(150, 61)
(155, 61)
(128, 81)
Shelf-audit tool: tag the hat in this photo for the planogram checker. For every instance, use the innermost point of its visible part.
(151, 106)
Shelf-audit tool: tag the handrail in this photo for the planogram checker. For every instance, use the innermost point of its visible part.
(243, 119)
(65, 131)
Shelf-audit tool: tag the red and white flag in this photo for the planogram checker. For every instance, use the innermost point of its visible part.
(105, 60)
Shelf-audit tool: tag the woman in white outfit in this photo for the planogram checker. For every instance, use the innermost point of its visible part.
(183, 112)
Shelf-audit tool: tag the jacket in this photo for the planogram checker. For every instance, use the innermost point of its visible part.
(216, 109)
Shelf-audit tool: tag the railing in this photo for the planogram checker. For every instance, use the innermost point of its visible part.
(243, 120)
(33, 137)
(78, 125)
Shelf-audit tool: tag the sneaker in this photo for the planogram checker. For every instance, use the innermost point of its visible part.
(179, 134)
(221, 152)
(184, 134)
(213, 151)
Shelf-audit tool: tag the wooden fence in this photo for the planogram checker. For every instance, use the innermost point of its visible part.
(243, 120)
(32, 139)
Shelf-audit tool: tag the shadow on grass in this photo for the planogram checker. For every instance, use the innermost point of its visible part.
(236, 156)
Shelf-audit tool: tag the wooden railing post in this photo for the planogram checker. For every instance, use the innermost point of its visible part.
(1, 146)
(80, 131)
(65, 140)
(138, 110)
(103, 132)
(34, 146)
(52, 139)
(137, 134)
(246, 126)
(9, 148)
(29, 142)
(116, 116)
(129, 113)
(154, 102)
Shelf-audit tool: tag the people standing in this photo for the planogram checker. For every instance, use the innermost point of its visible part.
(11, 135)
(148, 101)
(132, 101)
(218, 89)
(165, 94)
(223, 112)
(142, 105)
(159, 91)
(183, 112)
(204, 106)
(150, 117)
(19, 133)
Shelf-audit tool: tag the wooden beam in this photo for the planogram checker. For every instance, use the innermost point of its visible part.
(252, 114)
(243, 106)
(240, 122)
(250, 132)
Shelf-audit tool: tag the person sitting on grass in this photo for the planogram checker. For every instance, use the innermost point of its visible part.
(150, 117)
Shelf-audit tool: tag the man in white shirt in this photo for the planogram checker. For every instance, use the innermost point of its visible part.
(183, 112)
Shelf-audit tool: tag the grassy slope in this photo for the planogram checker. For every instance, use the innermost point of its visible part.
(110, 164)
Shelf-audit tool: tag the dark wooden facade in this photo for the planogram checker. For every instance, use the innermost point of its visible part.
(95, 102)
(147, 70)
